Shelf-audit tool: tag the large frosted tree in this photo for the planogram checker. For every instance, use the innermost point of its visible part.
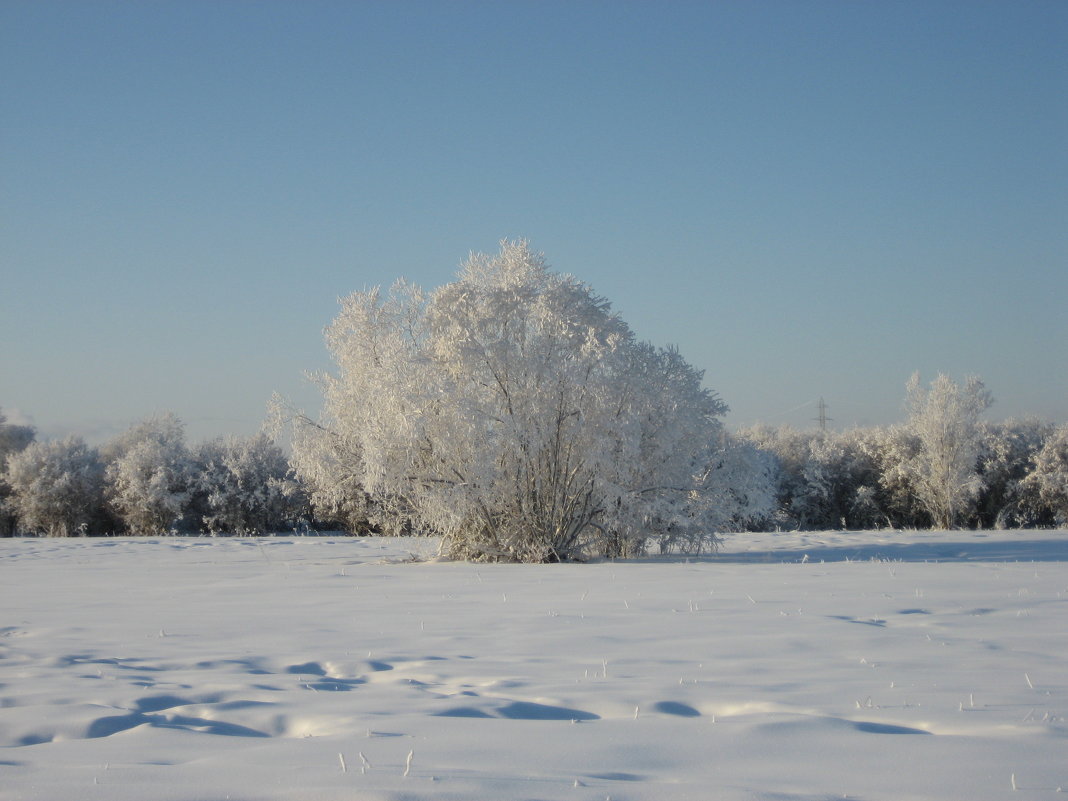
(944, 419)
(513, 413)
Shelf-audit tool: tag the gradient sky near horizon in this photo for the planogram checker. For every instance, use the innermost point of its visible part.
(811, 199)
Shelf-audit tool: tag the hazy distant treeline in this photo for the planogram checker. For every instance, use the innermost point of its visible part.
(149, 481)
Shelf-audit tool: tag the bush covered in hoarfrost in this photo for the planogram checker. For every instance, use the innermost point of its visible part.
(57, 487)
(513, 413)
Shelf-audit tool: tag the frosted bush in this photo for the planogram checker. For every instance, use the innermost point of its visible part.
(57, 487)
(513, 413)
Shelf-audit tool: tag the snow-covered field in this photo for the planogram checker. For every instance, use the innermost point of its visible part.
(791, 666)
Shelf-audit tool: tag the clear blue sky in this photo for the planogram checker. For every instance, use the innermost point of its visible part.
(808, 198)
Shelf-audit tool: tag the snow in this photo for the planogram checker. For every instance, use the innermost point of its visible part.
(800, 666)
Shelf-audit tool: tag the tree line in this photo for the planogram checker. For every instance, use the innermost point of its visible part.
(1011, 474)
(515, 415)
(995, 475)
(145, 481)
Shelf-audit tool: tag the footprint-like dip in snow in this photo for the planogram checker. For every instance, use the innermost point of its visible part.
(675, 708)
(816, 723)
(520, 710)
(114, 724)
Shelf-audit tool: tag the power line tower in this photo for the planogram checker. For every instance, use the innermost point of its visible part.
(823, 418)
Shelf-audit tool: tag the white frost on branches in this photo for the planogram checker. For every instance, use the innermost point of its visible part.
(241, 482)
(13, 438)
(513, 413)
(1048, 478)
(741, 485)
(57, 487)
(945, 421)
(149, 474)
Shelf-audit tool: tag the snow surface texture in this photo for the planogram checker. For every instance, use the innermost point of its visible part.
(790, 667)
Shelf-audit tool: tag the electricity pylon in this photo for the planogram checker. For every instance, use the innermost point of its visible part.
(823, 418)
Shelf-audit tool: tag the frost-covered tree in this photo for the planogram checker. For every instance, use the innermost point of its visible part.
(57, 487)
(741, 485)
(322, 461)
(787, 448)
(1007, 451)
(1047, 482)
(513, 413)
(894, 451)
(242, 485)
(944, 419)
(13, 438)
(149, 475)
